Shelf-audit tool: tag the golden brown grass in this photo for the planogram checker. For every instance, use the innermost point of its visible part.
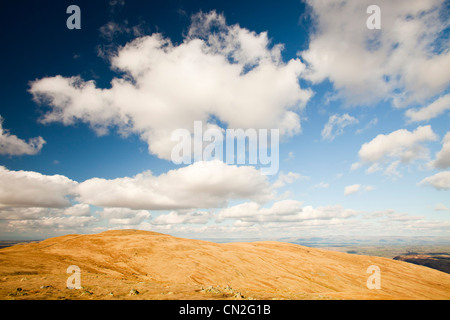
(131, 264)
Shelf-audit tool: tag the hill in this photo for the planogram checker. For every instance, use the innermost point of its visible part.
(131, 264)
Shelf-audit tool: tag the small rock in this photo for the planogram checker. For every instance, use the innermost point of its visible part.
(87, 292)
(228, 289)
(134, 292)
(211, 289)
(18, 292)
(46, 287)
(238, 295)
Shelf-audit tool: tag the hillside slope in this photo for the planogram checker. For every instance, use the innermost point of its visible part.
(130, 264)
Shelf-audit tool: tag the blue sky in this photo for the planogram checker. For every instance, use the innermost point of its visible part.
(87, 116)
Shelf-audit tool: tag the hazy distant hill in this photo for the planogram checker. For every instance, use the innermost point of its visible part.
(368, 241)
(132, 264)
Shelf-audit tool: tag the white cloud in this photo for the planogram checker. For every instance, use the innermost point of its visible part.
(112, 29)
(369, 125)
(288, 178)
(124, 216)
(200, 185)
(367, 66)
(374, 168)
(283, 211)
(379, 214)
(27, 213)
(391, 170)
(243, 224)
(322, 185)
(46, 221)
(219, 73)
(389, 216)
(78, 210)
(401, 146)
(348, 190)
(431, 111)
(335, 126)
(443, 157)
(176, 217)
(351, 189)
(355, 166)
(32, 189)
(441, 207)
(52, 223)
(290, 156)
(28, 219)
(252, 210)
(400, 217)
(440, 181)
(13, 146)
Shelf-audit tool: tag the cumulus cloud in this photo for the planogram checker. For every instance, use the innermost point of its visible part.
(440, 181)
(401, 217)
(32, 189)
(124, 216)
(367, 66)
(391, 170)
(27, 213)
(401, 143)
(379, 214)
(218, 71)
(112, 29)
(283, 211)
(351, 189)
(443, 157)
(41, 220)
(200, 185)
(348, 190)
(369, 125)
(322, 185)
(177, 217)
(78, 210)
(58, 224)
(253, 210)
(401, 146)
(436, 108)
(335, 126)
(287, 178)
(441, 207)
(13, 146)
